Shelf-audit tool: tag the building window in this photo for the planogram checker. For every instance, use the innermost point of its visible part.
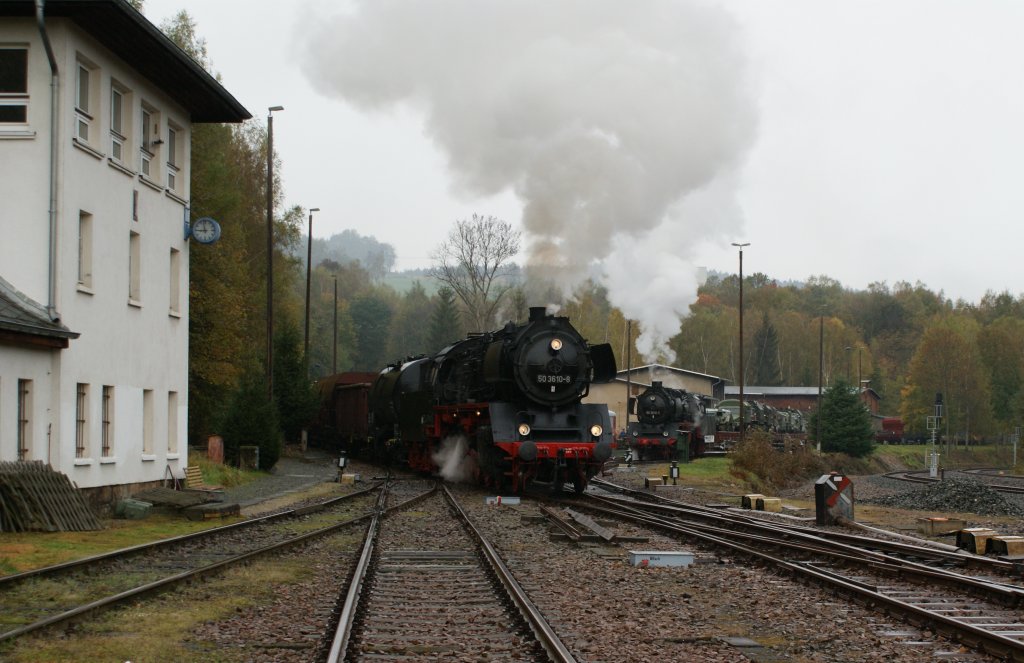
(119, 105)
(84, 93)
(82, 421)
(172, 422)
(149, 141)
(175, 306)
(173, 151)
(147, 421)
(85, 249)
(134, 268)
(107, 422)
(24, 418)
(13, 85)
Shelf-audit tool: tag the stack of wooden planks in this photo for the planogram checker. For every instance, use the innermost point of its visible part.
(34, 496)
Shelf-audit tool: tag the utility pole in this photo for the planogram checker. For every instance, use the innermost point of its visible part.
(742, 404)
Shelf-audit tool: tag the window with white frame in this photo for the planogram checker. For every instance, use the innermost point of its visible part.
(85, 95)
(175, 303)
(147, 421)
(82, 421)
(149, 141)
(84, 249)
(172, 422)
(134, 268)
(13, 85)
(24, 434)
(120, 124)
(173, 155)
(107, 422)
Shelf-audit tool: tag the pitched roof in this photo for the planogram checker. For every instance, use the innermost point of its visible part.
(754, 390)
(130, 36)
(23, 318)
(653, 368)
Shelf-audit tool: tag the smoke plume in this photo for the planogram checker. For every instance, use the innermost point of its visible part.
(619, 125)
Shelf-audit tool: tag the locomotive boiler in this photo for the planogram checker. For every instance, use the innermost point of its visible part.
(665, 417)
(506, 406)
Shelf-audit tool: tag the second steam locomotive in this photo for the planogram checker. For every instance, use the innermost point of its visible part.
(670, 423)
(506, 404)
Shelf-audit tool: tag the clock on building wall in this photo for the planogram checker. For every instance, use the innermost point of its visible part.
(204, 230)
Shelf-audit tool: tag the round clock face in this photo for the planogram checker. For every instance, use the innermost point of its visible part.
(206, 230)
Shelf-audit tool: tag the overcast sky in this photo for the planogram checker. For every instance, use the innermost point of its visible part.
(863, 140)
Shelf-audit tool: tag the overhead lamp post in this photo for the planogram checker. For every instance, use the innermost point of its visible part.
(742, 419)
(270, 249)
(821, 369)
(334, 354)
(309, 264)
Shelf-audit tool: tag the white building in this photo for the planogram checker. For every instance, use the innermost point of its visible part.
(96, 109)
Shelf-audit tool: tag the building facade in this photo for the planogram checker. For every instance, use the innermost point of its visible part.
(96, 112)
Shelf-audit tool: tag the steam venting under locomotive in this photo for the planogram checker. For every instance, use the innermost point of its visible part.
(668, 418)
(512, 397)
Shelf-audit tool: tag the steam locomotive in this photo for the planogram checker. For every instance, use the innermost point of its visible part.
(504, 406)
(667, 417)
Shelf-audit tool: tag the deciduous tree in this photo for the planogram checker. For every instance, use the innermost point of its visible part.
(472, 261)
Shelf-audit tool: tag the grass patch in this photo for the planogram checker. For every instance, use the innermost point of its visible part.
(157, 630)
(219, 474)
(22, 551)
(915, 456)
(700, 473)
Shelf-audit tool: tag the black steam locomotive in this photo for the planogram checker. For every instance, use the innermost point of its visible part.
(503, 406)
(666, 418)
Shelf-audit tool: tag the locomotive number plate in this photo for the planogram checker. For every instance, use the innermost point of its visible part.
(554, 379)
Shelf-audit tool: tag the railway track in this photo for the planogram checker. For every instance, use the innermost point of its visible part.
(987, 476)
(455, 598)
(974, 600)
(48, 596)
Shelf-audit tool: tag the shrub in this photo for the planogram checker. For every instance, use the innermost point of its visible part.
(775, 468)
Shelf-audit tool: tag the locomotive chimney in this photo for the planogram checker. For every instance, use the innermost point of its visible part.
(656, 384)
(537, 313)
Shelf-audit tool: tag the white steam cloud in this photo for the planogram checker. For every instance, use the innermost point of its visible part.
(452, 461)
(618, 124)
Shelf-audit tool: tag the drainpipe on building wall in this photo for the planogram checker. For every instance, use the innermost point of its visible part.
(51, 294)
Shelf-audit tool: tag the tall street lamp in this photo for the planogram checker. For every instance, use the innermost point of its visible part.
(309, 263)
(821, 369)
(334, 354)
(742, 419)
(270, 249)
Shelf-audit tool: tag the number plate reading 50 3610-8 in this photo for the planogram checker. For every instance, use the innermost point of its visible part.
(554, 379)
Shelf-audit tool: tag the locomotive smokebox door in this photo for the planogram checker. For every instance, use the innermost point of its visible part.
(833, 498)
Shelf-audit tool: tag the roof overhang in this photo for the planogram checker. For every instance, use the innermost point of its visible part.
(131, 37)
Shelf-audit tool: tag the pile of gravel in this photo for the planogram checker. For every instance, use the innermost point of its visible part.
(955, 495)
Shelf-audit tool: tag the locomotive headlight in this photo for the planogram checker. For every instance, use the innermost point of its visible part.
(664, 433)
(556, 344)
(524, 429)
(596, 430)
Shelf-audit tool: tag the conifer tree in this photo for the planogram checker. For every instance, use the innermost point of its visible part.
(767, 371)
(445, 321)
(845, 422)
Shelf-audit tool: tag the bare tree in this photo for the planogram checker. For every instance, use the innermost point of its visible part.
(472, 262)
